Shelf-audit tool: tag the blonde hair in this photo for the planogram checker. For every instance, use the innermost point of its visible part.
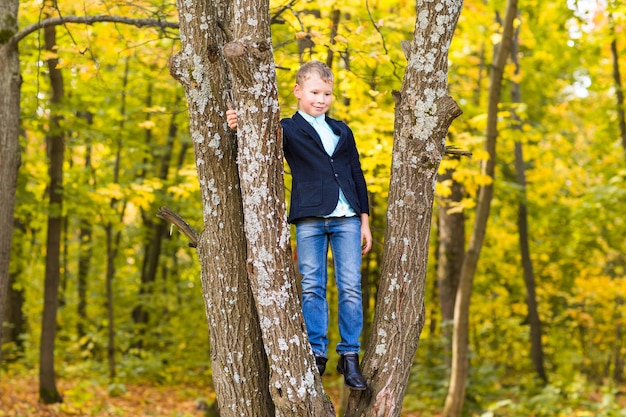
(308, 69)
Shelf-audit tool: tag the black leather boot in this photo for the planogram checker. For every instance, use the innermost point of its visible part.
(349, 366)
(320, 362)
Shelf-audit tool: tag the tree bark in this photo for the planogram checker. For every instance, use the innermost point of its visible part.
(424, 112)
(239, 363)
(48, 392)
(85, 249)
(10, 81)
(534, 321)
(460, 340)
(295, 385)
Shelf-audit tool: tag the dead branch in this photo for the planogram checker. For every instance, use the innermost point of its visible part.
(169, 216)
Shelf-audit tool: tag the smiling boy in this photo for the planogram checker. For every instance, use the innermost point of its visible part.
(329, 207)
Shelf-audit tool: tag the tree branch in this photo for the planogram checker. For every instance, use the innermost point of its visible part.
(168, 215)
(90, 20)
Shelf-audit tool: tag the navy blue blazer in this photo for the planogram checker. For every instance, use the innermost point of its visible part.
(318, 176)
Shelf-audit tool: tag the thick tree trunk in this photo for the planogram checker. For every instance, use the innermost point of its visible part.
(536, 344)
(10, 81)
(424, 111)
(55, 146)
(295, 385)
(460, 340)
(239, 363)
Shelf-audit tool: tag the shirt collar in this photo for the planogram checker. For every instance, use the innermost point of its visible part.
(312, 119)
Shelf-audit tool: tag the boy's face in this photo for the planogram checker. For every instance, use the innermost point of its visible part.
(314, 95)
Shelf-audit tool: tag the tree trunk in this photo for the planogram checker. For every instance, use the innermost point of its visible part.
(295, 385)
(84, 260)
(460, 340)
(619, 88)
(112, 244)
(424, 111)
(10, 81)
(451, 251)
(239, 363)
(15, 318)
(48, 392)
(155, 230)
(536, 345)
(85, 250)
(113, 235)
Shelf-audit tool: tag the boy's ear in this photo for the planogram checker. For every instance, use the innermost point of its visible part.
(296, 91)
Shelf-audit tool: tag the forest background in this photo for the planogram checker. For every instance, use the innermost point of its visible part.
(128, 153)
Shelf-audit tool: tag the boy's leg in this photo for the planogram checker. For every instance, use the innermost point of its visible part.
(312, 246)
(345, 241)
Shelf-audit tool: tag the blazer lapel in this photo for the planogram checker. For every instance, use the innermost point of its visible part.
(337, 128)
(307, 129)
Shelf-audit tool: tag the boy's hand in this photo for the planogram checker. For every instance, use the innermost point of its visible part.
(231, 119)
(366, 234)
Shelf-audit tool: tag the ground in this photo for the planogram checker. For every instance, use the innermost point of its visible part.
(19, 398)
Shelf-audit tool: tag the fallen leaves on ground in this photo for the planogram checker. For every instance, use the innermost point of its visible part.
(19, 397)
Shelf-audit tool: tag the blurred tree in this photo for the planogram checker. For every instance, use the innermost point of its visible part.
(460, 340)
(55, 146)
(9, 144)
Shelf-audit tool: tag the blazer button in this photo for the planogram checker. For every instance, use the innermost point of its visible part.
(336, 175)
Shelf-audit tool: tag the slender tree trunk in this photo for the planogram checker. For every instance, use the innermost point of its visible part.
(10, 81)
(84, 260)
(536, 345)
(460, 340)
(112, 245)
(619, 88)
(156, 230)
(618, 357)
(113, 236)
(15, 318)
(48, 392)
(85, 250)
(450, 254)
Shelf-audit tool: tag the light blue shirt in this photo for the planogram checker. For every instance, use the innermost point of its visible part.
(329, 140)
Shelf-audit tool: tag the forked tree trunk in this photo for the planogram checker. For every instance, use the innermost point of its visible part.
(10, 81)
(295, 385)
(460, 339)
(48, 392)
(239, 363)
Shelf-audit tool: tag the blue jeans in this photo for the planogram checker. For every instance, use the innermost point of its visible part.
(313, 237)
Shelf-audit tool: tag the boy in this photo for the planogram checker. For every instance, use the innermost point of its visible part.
(329, 205)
